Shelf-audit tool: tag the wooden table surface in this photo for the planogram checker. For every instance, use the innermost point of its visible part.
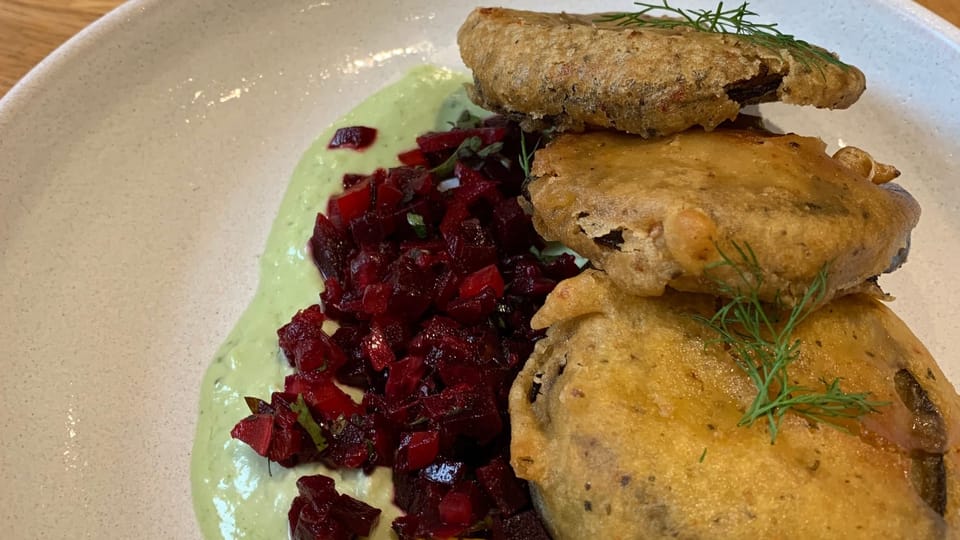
(31, 29)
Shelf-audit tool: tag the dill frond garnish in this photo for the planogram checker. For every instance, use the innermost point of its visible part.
(526, 158)
(760, 336)
(733, 21)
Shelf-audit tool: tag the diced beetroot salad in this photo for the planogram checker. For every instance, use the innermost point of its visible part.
(433, 288)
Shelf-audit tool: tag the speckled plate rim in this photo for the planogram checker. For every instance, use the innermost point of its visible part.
(50, 72)
(84, 40)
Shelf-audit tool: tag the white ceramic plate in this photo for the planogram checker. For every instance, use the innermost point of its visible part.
(142, 163)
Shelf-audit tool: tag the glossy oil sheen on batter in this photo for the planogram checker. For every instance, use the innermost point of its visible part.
(625, 421)
(653, 213)
(573, 72)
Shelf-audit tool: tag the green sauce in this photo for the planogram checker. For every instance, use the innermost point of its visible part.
(235, 494)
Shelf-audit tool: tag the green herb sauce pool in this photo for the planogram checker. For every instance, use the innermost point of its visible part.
(235, 494)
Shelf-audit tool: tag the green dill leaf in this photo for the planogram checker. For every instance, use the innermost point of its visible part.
(306, 420)
(490, 150)
(760, 338)
(419, 227)
(467, 120)
(736, 21)
(526, 157)
(703, 456)
(470, 146)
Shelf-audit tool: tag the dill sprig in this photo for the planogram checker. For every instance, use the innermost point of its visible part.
(734, 21)
(526, 158)
(761, 339)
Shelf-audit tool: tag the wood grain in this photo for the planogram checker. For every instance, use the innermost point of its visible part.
(31, 29)
(948, 9)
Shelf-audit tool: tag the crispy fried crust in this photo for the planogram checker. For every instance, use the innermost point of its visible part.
(651, 213)
(571, 72)
(632, 430)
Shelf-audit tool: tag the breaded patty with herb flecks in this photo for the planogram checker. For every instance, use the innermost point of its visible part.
(573, 72)
(625, 423)
(654, 213)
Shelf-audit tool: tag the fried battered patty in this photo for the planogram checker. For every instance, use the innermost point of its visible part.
(653, 213)
(625, 422)
(571, 72)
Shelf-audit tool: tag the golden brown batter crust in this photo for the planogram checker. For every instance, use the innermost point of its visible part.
(651, 212)
(571, 72)
(632, 431)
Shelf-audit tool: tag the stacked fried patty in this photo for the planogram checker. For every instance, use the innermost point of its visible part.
(627, 419)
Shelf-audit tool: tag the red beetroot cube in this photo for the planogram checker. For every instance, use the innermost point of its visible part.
(406, 527)
(523, 526)
(383, 436)
(388, 197)
(445, 288)
(256, 430)
(475, 309)
(318, 490)
(488, 276)
(357, 516)
(458, 362)
(411, 181)
(508, 492)
(456, 508)
(330, 248)
(353, 137)
(394, 329)
(313, 524)
(356, 372)
(398, 413)
(370, 265)
(369, 229)
(563, 267)
(465, 410)
(471, 247)
(322, 395)
(305, 344)
(320, 512)
(349, 205)
(476, 500)
(276, 435)
(283, 415)
(376, 298)
(420, 499)
(288, 444)
(449, 140)
(528, 278)
(296, 507)
(377, 349)
(452, 349)
(417, 450)
(426, 258)
(512, 227)
(454, 373)
(457, 212)
(404, 377)
(474, 186)
(413, 158)
(350, 179)
(348, 445)
(433, 332)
